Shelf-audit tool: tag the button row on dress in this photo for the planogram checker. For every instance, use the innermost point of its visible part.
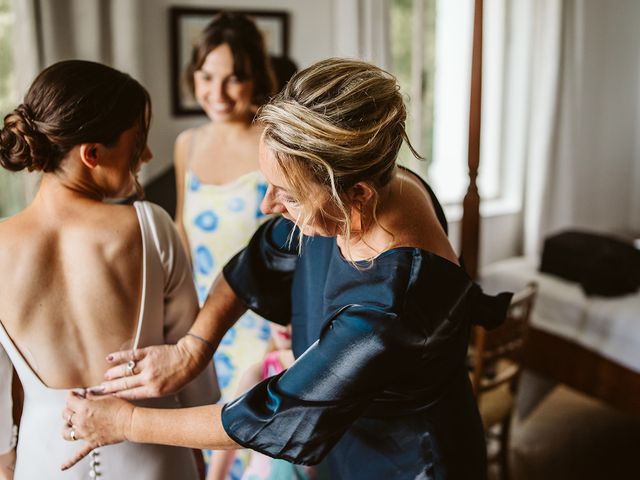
(94, 463)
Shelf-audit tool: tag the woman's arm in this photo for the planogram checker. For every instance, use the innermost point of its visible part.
(221, 461)
(180, 303)
(7, 465)
(180, 158)
(164, 369)
(107, 420)
(10, 403)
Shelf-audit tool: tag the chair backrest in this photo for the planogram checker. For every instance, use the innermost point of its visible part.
(496, 354)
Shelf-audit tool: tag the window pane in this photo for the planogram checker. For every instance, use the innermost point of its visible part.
(444, 104)
(446, 42)
(11, 191)
(402, 45)
(448, 173)
(493, 44)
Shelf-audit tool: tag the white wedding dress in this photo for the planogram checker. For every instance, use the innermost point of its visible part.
(168, 307)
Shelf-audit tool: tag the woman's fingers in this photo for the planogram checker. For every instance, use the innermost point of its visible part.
(124, 356)
(121, 371)
(119, 385)
(96, 421)
(67, 416)
(161, 369)
(137, 393)
(70, 434)
(124, 376)
(79, 455)
(74, 401)
(126, 363)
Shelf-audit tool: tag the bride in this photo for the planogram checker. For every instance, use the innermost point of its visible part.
(84, 277)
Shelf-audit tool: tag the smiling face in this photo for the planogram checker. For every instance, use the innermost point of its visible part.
(223, 96)
(281, 198)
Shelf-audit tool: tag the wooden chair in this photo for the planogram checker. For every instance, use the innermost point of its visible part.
(495, 368)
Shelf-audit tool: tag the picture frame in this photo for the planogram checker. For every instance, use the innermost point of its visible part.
(186, 24)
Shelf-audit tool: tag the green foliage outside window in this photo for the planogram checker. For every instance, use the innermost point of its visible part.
(11, 193)
(402, 12)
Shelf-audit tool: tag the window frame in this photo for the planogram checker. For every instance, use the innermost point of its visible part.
(454, 21)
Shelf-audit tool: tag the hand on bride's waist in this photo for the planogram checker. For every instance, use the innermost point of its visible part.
(155, 371)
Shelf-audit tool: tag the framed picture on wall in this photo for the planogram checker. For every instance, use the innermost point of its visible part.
(186, 24)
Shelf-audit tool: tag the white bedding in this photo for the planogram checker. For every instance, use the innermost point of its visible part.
(609, 326)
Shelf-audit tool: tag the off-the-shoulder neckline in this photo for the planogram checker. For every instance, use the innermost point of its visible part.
(397, 250)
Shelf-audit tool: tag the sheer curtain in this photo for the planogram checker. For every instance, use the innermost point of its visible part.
(545, 192)
(572, 113)
(51, 30)
(363, 30)
(537, 63)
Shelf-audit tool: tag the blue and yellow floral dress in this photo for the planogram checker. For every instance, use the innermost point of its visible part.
(219, 221)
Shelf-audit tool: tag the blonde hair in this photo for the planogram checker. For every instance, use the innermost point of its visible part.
(337, 123)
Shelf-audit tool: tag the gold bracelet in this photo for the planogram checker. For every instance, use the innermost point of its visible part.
(203, 340)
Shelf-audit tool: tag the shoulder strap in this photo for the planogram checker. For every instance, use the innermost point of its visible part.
(142, 222)
(191, 146)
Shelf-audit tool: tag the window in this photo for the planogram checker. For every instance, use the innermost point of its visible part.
(413, 60)
(11, 184)
(431, 54)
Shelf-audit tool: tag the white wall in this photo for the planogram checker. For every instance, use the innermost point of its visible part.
(311, 39)
(500, 237)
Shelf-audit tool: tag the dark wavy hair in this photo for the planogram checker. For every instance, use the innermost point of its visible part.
(70, 103)
(250, 59)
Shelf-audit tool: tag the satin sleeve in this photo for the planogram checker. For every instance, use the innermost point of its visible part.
(300, 414)
(261, 274)
(6, 403)
(180, 304)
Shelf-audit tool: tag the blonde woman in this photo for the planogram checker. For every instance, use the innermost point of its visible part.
(360, 265)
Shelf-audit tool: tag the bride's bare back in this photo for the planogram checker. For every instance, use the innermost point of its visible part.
(73, 285)
(72, 266)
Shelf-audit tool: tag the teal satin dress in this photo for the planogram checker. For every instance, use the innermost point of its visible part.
(380, 388)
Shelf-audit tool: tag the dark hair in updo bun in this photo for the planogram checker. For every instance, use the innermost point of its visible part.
(70, 103)
(21, 145)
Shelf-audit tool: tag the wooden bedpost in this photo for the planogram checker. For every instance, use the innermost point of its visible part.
(470, 233)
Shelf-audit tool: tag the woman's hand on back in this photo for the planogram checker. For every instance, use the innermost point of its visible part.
(154, 371)
(96, 421)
